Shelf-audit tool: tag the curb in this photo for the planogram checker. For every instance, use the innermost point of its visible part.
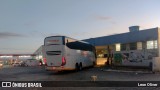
(124, 71)
(7, 66)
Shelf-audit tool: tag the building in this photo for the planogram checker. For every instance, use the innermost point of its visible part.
(9, 59)
(39, 54)
(134, 48)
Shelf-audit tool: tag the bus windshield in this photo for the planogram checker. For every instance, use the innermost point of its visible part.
(53, 41)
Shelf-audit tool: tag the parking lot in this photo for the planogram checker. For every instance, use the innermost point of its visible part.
(38, 73)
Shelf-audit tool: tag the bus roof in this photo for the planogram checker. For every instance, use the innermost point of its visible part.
(67, 37)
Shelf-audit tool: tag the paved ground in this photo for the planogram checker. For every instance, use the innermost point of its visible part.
(39, 74)
(103, 74)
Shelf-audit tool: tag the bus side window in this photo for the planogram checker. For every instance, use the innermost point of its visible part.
(66, 41)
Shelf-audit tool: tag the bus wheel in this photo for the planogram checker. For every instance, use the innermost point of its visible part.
(94, 63)
(76, 67)
(150, 66)
(80, 66)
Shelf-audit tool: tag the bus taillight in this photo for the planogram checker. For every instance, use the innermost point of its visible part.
(45, 61)
(63, 61)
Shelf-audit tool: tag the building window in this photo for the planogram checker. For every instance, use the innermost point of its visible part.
(152, 44)
(123, 47)
(118, 47)
(139, 45)
(133, 46)
(155, 44)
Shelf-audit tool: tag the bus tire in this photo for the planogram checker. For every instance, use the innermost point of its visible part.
(150, 66)
(76, 67)
(80, 66)
(94, 63)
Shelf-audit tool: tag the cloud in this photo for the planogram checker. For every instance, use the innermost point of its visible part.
(9, 35)
(103, 18)
(16, 51)
(30, 24)
(39, 33)
(113, 22)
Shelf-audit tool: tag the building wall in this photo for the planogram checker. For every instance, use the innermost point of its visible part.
(158, 42)
(127, 57)
(40, 54)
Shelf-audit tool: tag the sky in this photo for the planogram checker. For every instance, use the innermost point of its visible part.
(25, 23)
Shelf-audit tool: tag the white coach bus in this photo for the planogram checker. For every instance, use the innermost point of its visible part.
(64, 53)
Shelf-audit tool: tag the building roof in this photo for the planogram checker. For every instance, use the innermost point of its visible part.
(129, 37)
(17, 54)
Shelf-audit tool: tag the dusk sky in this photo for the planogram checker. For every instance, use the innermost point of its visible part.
(25, 23)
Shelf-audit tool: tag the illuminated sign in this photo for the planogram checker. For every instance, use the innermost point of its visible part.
(53, 40)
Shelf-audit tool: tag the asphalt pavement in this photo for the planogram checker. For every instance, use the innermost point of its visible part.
(38, 73)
